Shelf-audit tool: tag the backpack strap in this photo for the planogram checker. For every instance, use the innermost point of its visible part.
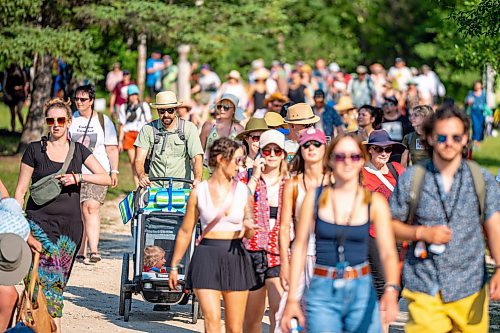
(156, 141)
(479, 186)
(180, 129)
(415, 190)
(393, 171)
(100, 116)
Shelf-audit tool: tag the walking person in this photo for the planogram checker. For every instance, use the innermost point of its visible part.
(266, 183)
(369, 119)
(476, 104)
(15, 91)
(56, 226)
(220, 266)
(251, 138)
(96, 132)
(132, 117)
(442, 208)
(170, 144)
(416, 152)
(341, 296)
(309, 173)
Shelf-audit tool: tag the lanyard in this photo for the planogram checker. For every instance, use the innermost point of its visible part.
(443, 198)
(343, 236)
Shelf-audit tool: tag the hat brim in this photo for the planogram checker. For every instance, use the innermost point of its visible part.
(312, 120)
(241, 135)
(13, 277)
(344, 108)
(164, 106)
(271, 99)
(396, 146)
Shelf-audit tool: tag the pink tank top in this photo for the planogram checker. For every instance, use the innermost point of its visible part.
(231, 222)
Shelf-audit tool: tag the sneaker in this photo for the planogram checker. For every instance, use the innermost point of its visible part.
(80, 259)
(95, 257)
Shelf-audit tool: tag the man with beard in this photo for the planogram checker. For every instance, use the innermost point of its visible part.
(168, 146)
(442, 208)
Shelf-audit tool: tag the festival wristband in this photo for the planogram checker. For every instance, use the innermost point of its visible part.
(74, 177)
(115, 171)
(391, 286)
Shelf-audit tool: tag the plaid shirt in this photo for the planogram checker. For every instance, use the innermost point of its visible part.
(460, 271)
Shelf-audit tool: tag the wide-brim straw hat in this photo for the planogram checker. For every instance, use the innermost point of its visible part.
(277, 96)
(253, 125)
(15, 259)
(382, 139)
(274, 119)
(301, 114)
(344, 104)
(165, 99)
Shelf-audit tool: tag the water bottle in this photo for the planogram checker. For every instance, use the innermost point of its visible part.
(294, 326)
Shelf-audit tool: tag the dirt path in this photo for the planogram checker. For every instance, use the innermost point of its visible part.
(92, 295)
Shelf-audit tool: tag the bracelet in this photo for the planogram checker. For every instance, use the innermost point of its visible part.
(389, 286)
(174, 269)
(80, 178)
(115, 171)
(74, 177)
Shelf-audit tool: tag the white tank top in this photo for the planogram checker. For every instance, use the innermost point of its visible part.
(301, 193)
(233, 221)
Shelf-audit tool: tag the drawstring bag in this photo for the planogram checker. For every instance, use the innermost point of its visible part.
(48, 188)
(32, 310)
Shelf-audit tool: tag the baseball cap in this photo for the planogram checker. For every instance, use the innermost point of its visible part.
(272, 136)
(311, 134)
(391, 99)
(132, 90)
(126, 72)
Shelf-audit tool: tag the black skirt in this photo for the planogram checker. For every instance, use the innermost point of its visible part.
(221, 264)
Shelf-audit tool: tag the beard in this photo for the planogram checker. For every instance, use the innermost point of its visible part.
(448, 156)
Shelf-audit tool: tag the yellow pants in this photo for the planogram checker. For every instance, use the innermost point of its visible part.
(431, 314)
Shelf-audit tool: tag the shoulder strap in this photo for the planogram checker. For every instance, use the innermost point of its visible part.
(101, 121)
(156, 140)
(319, 190)
(479, 186)
(69, 157)
(393, 171)
(295, 193)
(415, 190)
(225, 206)
(180, 129)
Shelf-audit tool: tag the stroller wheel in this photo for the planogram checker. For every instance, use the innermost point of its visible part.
(124, 280)
(195, 311)
(128, 306)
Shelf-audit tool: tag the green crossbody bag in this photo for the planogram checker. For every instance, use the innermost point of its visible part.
(48, 188)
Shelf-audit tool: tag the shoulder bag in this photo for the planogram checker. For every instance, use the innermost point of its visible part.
(48, 188)
(32, 309)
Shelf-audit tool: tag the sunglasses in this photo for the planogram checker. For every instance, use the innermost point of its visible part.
(442, 138)
(308, 144)
(59, 120)
(277, 105)
(169, 111)
(81, 99)
(255, 138)
(277, 151)
(341, 157)
(379, 150)
(225, 107)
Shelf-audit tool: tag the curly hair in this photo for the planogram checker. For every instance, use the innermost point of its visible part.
(153, 254)
(57, 103)
(445, 112)
(88, 88)
(224, 147)
(424, 110)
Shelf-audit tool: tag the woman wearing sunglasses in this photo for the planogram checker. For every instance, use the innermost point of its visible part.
(267, 184)
(309, 173)
(341, 297)
(225, 126)
(56, 226)
(380, 175)
(250, 138)
(220, 266)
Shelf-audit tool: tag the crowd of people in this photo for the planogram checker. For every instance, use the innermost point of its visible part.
(309, 184)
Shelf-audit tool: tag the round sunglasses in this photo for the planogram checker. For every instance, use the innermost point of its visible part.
(59, 120)
(225, 107)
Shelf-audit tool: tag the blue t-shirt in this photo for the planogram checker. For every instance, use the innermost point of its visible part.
(153, 77)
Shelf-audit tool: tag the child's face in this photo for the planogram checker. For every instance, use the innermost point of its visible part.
(161, 262)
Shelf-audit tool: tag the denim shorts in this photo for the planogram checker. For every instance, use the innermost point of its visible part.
(350, 308)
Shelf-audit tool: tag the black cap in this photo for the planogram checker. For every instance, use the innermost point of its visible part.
(126, 72)
(319, 93)
(391, 99)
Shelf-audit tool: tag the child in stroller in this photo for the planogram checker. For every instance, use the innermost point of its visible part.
(154, 259)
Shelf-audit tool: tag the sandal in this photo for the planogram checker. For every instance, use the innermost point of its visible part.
(95, 257)
(79, 258)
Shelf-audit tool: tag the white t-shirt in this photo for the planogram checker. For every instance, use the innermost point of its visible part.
(96, 139)
(143, 116)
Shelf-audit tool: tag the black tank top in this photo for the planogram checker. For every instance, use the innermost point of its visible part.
(297, 95)
(258, 100)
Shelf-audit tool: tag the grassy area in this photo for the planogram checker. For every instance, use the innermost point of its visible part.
(488, 154)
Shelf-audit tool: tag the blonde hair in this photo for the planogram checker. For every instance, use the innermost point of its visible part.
(424, 110)
(57, 103)
(153, 254)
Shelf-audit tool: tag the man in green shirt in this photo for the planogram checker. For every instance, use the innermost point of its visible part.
(171, 145)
